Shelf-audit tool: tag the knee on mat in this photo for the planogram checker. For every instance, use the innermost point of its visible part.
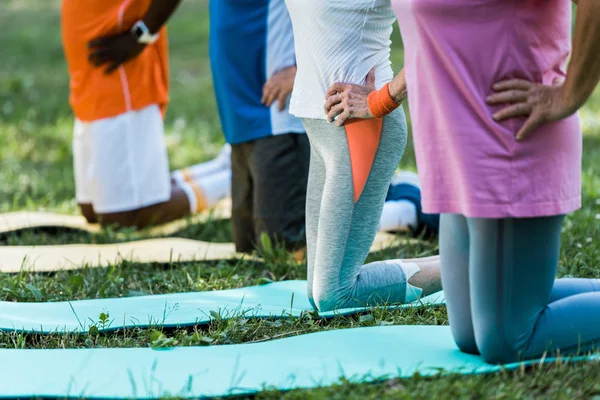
(495, 347)
(88, 213)
(309, 294)
(289, 236)
(311, 300)
(122, 219)
(465, 341)
(327, 300)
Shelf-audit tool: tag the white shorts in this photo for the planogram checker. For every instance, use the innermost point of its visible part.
(121, 163)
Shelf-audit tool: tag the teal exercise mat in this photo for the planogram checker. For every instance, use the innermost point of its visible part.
(277, 300)
(306, 361)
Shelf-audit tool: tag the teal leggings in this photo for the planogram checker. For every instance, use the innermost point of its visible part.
(502, 297)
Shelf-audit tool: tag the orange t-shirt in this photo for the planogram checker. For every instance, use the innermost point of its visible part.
(136, 84)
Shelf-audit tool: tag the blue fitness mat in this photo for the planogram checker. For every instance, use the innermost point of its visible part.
(276, 300)
(307, 361)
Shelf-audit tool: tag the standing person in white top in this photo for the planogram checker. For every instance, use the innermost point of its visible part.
(253, 63)
(351, 165)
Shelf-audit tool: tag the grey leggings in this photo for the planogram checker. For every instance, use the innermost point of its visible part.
(502, 297)
(342, 216)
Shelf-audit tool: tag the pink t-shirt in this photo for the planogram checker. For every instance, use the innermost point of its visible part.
(468, 163)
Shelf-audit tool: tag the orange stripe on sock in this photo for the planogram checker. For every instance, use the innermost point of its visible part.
(187, 176)
(200, 197)
(363, 136)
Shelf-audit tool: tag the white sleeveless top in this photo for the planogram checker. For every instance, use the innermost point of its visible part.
(338, 41)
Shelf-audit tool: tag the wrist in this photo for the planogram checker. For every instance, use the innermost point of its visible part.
(381, 102)
(572, 99)
(153, 28)
(397, 92)
(142, 33)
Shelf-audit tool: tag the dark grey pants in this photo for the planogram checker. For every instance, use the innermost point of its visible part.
(269, 178)
(502, 297)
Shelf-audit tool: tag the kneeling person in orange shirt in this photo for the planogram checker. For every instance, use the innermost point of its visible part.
(117, 56)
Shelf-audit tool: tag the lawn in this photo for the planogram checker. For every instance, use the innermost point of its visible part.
(36, 174)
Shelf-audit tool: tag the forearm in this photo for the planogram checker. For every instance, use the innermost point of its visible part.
(583, 72)
(398, 87)
(158, 13)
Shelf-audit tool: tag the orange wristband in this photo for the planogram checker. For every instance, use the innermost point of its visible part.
(381, 102)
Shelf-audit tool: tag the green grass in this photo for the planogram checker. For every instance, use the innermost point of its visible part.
(36, 174)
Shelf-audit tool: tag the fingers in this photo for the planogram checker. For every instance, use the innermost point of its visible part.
(270, 95)
(530, 125)
(282, 100)
(334, 112)
(273, 91)
(104, 52)
(371, 78)
(265, 91)
(516, 110)
(113, 66)
(343, 117)
(114, 51)
(332, 101)
(100, 56)
(510, 91)
(337, 87)
(101, 41)
(519, 84)
(106, 56)
(508, 96)
(527, 99)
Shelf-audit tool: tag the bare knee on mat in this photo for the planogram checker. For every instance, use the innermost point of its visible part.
(176, 207)
(122, 219)
(87, 210)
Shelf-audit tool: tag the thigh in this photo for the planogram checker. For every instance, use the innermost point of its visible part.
(454, 258)
(279, 167)
(513, 265)
(314, 196)
(377, 172)
(333, 198)
(242, 217)
(129, 164)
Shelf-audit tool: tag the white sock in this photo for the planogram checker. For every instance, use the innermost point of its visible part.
(216, 187)
(191, 195)
(398, 215)
(413, 293)
(207, 192)
(222, 162)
